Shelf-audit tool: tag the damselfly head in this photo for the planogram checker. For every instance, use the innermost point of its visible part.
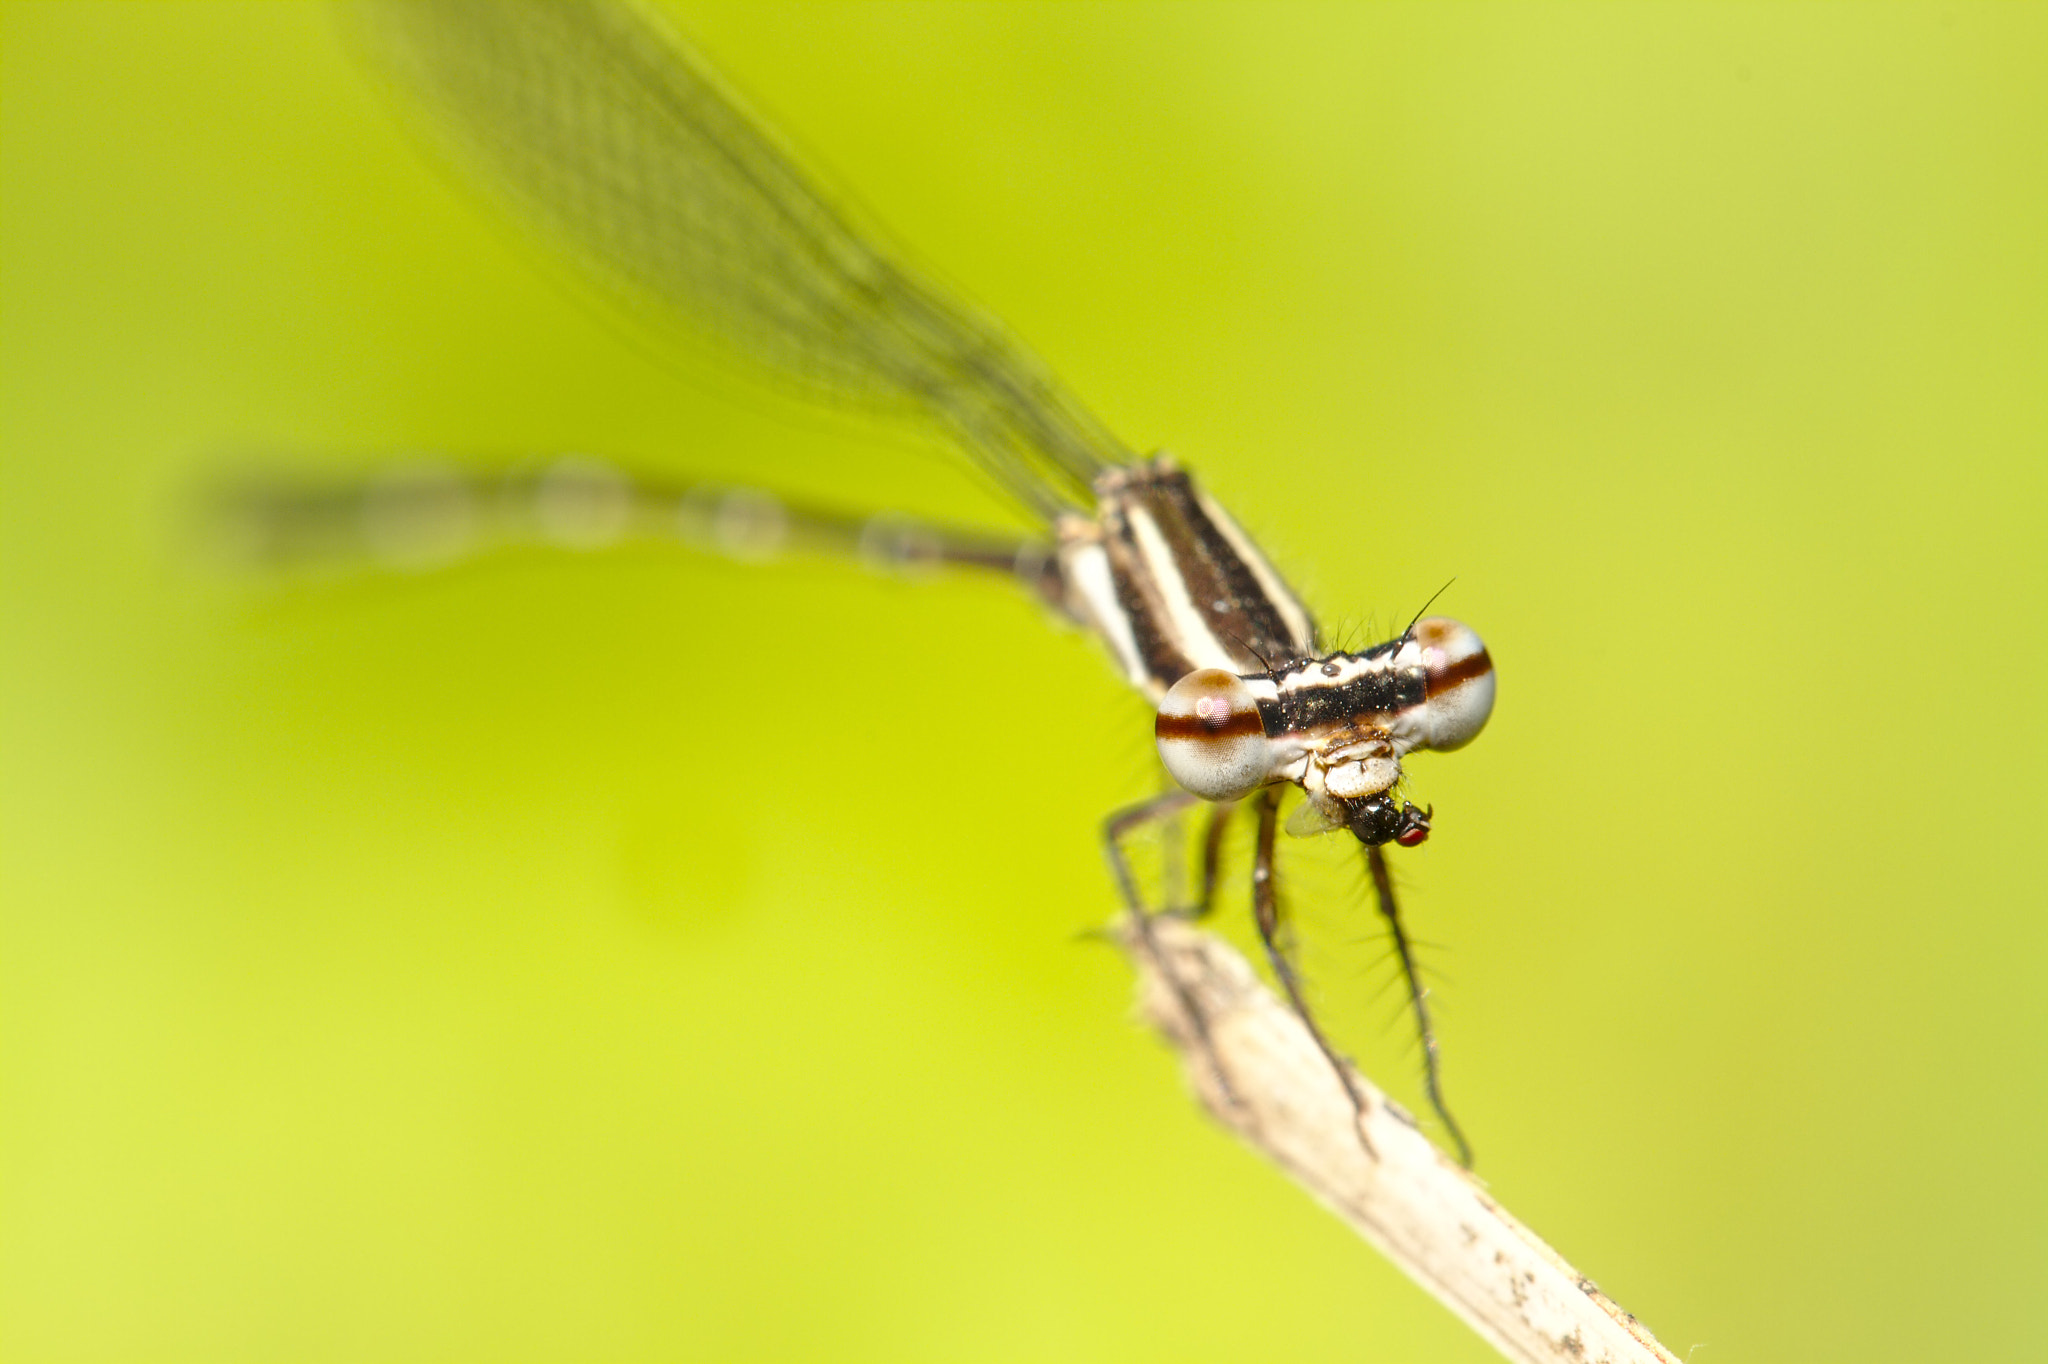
(1211, 737)
(1458, 686)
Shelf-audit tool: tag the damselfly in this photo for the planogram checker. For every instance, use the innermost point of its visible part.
(617, 138)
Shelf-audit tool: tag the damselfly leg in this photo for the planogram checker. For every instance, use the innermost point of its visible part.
(1162, 810)
(1266, 914)
(1418, 998)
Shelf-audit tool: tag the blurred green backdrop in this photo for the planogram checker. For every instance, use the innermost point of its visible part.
(449, 967)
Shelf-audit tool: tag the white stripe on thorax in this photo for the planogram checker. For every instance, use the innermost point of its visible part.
(1085, 564)
(1186, 624)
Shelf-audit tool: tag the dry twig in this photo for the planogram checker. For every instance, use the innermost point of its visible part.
(1259, 1072)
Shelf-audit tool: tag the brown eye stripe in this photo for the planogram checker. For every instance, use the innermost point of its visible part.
(1236, 725)
(1464, 670)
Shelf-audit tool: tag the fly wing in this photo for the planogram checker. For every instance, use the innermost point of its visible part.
(1315, 815)
(619, 140)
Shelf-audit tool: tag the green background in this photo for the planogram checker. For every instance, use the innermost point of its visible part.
(639, 956)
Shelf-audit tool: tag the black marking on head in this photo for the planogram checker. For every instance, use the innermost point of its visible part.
(1306, 702)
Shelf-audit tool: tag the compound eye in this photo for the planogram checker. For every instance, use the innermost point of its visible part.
(1210, 736)
(1458, 684)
